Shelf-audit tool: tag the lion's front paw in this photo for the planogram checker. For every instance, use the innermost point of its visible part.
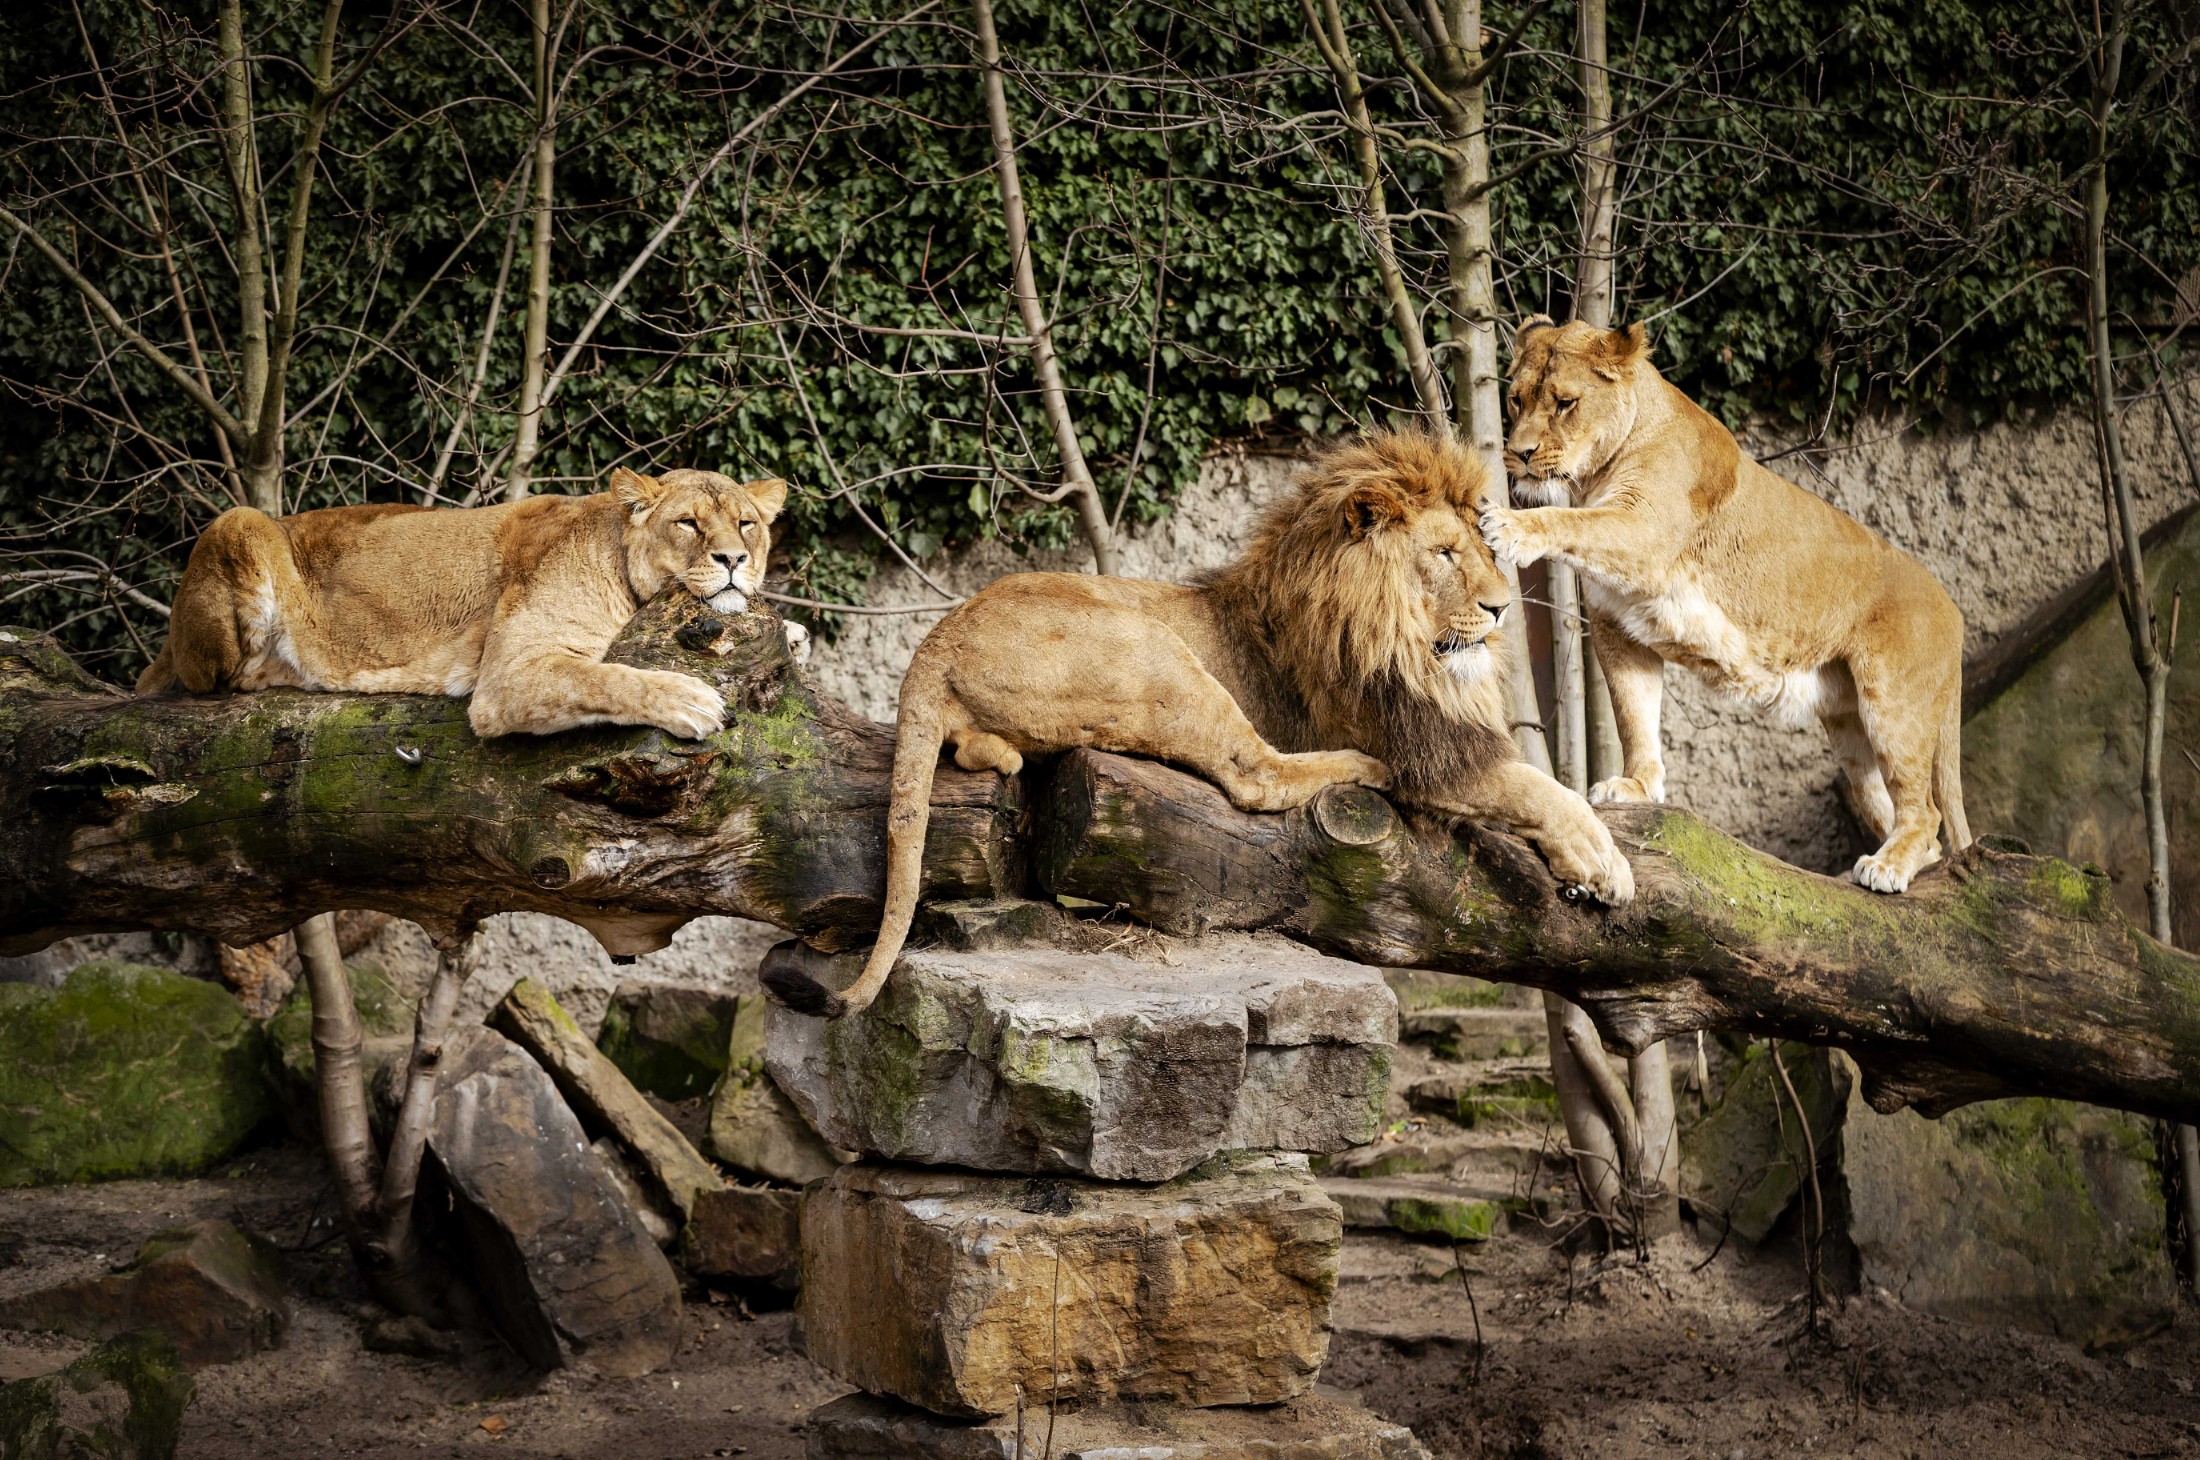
(798, 642)
(683, 705)
(1371, 772)
(1595, 866)
(1625, 790)
(1508, 535)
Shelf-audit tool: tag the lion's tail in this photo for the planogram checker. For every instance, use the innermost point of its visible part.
(909, 811)
(1948, 774)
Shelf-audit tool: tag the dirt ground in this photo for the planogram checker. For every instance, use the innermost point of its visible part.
(1671, 1356)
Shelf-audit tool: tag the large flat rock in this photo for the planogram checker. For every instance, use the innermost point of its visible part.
(1039, 1059)
(568, 1270)
(953, 1291)
(214, 1290)
(863, 1427)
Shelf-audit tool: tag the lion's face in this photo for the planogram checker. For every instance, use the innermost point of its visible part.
(1464, 596)
(1573, 390)
(709, 532)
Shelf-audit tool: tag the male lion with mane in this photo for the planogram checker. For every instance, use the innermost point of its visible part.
(1693, 554)
(514, 604)
(1363, 617)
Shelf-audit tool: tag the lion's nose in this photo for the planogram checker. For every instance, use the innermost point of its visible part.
(730, 561)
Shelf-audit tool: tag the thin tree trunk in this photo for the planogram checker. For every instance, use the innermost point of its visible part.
(1650, 1074)
(2149, 656)
(1477, 384)
(1335, 45)
(1092, 513)
(1589, 1126)
(263, 467)
(240, 157)
(527, 437)
(400, 1253)
(339, 1040)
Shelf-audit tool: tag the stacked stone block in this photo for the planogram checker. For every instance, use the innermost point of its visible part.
(1084, 1199)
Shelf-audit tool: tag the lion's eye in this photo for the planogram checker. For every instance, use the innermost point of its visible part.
(1447, 554)
(746, 525)
(689, 524)
(1568, 402)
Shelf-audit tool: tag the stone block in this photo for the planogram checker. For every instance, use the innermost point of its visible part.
(125, 1071)
(2040, 1214)
(750, 1233)
(669, 1040)
(863, 1427)
(753, 1126)
(1429, 1207)
(1043, 1060)
(604, 1097)
(124, 1400)
(1496, 1092)
(569, 1274)
(215, 1290)
(1744, 1159)
(952, 1291)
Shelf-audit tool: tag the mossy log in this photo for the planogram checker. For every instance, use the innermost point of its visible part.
(2002, 973)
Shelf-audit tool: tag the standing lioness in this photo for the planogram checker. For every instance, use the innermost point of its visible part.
(1693, 554)
(1364, 616)
(513, 604)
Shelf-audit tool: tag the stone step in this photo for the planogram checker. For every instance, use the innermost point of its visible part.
(1313, 1427)
(1419, 989)
(1485, 1033)
(957, 1292)
(1514, 1092)
(1433, 1206)
(1038, 1059)
(1494, 1154)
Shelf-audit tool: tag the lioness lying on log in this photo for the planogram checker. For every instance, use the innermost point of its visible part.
(1693, 554)
(514, 604)
(1364, 615)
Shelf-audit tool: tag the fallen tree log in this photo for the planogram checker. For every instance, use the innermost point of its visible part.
(2003, 973)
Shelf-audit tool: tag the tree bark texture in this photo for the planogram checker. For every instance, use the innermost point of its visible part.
(240, 816)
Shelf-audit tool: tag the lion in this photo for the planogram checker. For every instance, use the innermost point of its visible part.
(1358, 640)
(514, 604)
(1693, 554)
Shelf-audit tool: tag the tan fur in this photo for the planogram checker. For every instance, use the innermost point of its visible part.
(1693, 554)
(513, 604)
(1364, 616)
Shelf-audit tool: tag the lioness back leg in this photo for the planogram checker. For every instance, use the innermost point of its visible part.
(239, 613)
(1636, 677)
(1904, 734)
(977, 750)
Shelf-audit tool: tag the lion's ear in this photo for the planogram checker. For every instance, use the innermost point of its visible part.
(769, 495)
(1371, 509)
(1622, 348)
(1530, 325)
(635, 492)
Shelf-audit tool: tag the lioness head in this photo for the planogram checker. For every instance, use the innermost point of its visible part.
(1573, 390)
(710, 532)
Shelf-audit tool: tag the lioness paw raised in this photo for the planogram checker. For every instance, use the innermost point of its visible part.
(681, 705)
(1508, 535)
(798, 642)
